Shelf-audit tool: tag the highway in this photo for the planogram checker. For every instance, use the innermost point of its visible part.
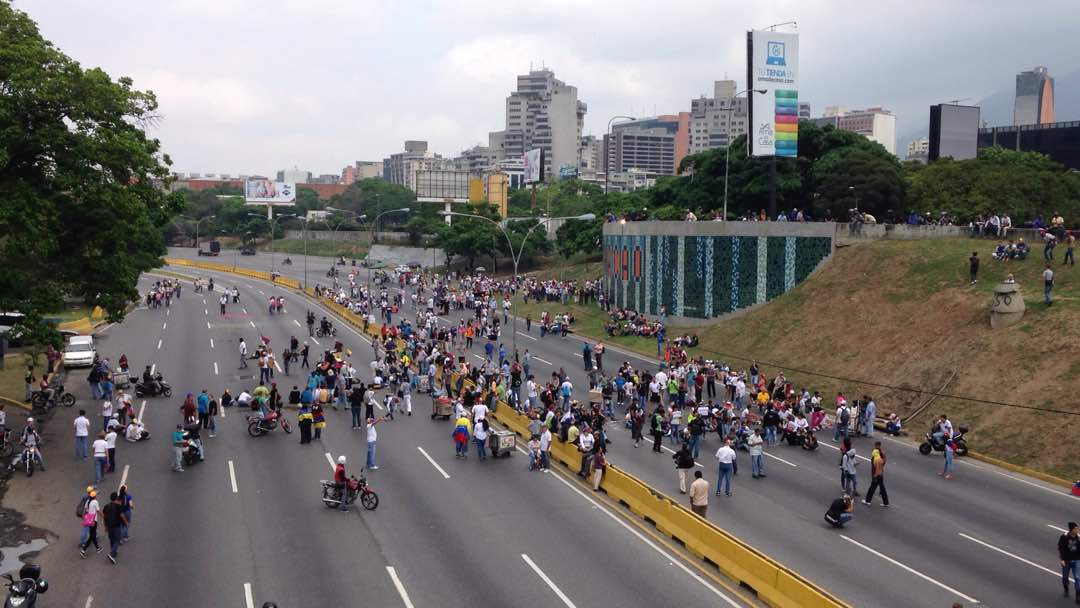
(986, 537)
(247, 525)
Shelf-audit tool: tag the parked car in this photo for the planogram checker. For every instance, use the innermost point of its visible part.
(79, 351)
(7, 321)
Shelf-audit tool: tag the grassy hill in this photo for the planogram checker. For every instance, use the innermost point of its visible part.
(901, 313)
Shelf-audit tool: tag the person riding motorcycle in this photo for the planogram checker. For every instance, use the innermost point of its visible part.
(324, 326)
(149, 382)
(32, 439)
(341, 483)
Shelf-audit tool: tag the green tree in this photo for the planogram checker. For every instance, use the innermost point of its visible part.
(374, 195)
(83, 210)
(578, 236)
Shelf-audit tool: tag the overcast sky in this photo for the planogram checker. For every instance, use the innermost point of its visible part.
(258, 85)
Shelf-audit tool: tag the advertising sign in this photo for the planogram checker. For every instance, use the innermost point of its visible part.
(534, 166)
(265, 191)
(442, 186)
(773, 66)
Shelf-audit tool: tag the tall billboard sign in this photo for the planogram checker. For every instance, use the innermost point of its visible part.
(773, 67)
(269, 192)
(534, 166)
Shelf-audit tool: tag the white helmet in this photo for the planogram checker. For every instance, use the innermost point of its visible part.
(29, 420)
(341, 459)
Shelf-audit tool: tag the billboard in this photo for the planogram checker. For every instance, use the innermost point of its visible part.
(442, 186)
(269, 192)
(954, 131)
(534, 166)
(773, 66)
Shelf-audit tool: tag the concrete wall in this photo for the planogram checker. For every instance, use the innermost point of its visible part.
(846, 233)
(392, 255)
(349, 236)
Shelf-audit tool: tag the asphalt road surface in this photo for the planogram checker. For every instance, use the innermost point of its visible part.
(986, 537)
(247, 525)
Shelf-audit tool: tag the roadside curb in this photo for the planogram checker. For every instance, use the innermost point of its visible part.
(1058, 481)
(14, 403)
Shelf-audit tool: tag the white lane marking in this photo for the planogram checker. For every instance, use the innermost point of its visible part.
(167, 311)
(89, 601)
(1062, 530)
(252, 323)
(433, 463)
(205, 311)
(790, 464)
(1004, 552)
(249, 286)
(215, 368)
(245, 310)
(1033, 484)
(550, 583)
(232, 477)
(123, 477)
(479, 357)
(543, 360)
(142, 408)
(153, 368)
(312, 338)
(664, 554)
(400, 588)
(829, 445)
(164, 325)
(248, 599)
(330, 459)
(297, 323)
(277, 366)
(207, 325)
(159, 343)
(911, 570)
(527, 336)
(211, 343)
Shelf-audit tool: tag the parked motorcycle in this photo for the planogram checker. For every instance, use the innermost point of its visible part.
(22, 593)
(193, 453)
(932, 444)
(331, 496)
(320, 333)
(41, 404)
(260, 426)
(153, 389)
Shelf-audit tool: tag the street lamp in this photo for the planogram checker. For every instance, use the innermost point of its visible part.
(727, 149)
(516, 257)
(273, 221)
(607, 136)
(356, 215)
(376, 222)
(197, 222)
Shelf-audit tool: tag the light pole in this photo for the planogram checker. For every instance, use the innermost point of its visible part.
(375, 237)
(273, 221)
(727, 149)
(197, 222)
(516, 257)
(607, 136)
(355, 215)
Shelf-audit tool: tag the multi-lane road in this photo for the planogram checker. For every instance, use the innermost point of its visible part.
(247, 525)
(986, 537)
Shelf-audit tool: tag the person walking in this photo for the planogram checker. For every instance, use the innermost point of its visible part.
(113, 514)
(106, 414)
(848, 461)
(480, 436)
(754, 445)
(243, 351)
(318, 420)
(973, 266)
(202, 408)
(725, 456)
(1069, 554)
(460, 435)
(212, 411)
(110, 442)
(372, 437)
(699, 495)
(1048, 285)
(684, 462)
(304, 356)
(656, 427)
(30, 380)
(599, 461)
(128, 504)
(91, 509)
(356, 405)
(100, 450)
(82, 435)
(877, 479)
(179, 443)
(304, 421)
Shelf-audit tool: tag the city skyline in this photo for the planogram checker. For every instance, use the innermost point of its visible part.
(354, 80)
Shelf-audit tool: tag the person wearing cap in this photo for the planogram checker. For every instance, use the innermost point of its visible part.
(1069, 554)
(840, 511)
(91, 510)
(179, 443)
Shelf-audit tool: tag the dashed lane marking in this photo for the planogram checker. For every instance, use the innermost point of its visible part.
(1012, 555)
(911, 570)
(433, 463)
(558, 592)
(232, 477)
(400, 588)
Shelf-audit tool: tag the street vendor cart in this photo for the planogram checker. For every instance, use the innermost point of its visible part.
(502, 443)
(440, 405)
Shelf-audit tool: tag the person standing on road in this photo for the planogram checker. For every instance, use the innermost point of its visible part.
(973, 266)
(754, 445)
(480, 436)
(869, 415)
(128, 506)
(82, 435)
(656, 427)
(202, 408)
(101, 457)
(545, 448)
(110, 442)
(1048, 285)
(877, 468)
(356, 405)
(179, 444)
(950, 449)
(699, 495)
(243, 352)
(223, 300)
(318, 420)
(106, 414)
(113, 514)
(304, 421)
(684, 462)
(372, 437)
(726, 457)
(848, 462)
(1069, 554)
(304, 356)
(91, 508)
(30, 380)
(599, 461)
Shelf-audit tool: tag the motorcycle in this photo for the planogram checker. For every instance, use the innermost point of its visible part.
(153, 389)
(29, 459)
(193, 453)
(286, 262)
(331, 497)
(932, 444)
(260, 426)
(22, 593)
(321, 333)
(40, 404)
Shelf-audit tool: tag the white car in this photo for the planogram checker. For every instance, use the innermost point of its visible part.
(79, 352)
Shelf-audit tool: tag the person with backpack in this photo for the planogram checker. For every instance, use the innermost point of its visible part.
(87, 512)
(684, 463)
(843, 419)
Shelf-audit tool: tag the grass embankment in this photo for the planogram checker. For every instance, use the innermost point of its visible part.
(902, 314)
(314, 247)
(12, 377)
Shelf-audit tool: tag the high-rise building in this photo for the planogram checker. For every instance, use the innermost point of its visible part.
(325, 178)
(592, 156)
(876, 124)
(918, 149)
(402, 167)
(715, 121)
(1034, 98)
(646, 144)
(954, 132)
(294, 175)
(1060, 140)
(804, 110)
(361, 169)
(476, 160)
(545, 113)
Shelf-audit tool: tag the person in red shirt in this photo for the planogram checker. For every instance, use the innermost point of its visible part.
(341, 482)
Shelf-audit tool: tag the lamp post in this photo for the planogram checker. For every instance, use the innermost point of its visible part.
(273, 221)
(607, 136)
(516, 257)
(355, 215)
(197, 222)
(376, 221)
(727, 149)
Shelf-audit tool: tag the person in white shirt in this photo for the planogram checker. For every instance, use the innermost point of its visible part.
(726, 457)
(586, 442)
(479, 412)
(100, 449)
(545, 448)
(754, 445)
(372, 437)
(136, 431)
(82, 435)
(243, 354)
(110, 443)
(106, 414)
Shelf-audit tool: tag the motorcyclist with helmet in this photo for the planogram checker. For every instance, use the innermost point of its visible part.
(341, 483)
(150, 382)
(32, 439)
